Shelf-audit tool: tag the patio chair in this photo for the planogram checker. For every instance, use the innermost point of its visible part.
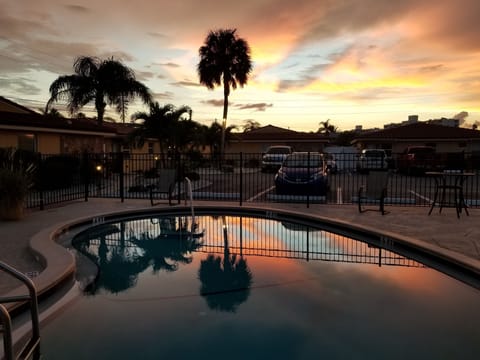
(164, 185)
(375, 190)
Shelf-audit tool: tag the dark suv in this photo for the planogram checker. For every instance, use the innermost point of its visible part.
(415, 160)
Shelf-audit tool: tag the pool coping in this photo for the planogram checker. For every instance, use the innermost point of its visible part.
(59, 262)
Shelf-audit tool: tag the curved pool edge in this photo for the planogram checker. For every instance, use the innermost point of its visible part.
(60, 263)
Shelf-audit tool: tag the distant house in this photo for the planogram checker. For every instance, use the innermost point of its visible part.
(26, 129)
(445, 139)
(258, 140)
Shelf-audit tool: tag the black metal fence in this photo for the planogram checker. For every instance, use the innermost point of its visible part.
(236, 177)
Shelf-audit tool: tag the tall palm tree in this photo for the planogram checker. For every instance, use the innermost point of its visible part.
(224, 59)
(100, 81)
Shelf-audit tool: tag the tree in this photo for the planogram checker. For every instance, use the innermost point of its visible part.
(164, 123)
(212, 137)
(101, 82)
(250, 125)
(224, 59)
(54, 113)
(327, 128)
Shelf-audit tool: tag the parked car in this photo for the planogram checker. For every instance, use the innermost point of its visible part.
(302, 173)
(415, 160)
(372, 159)
(273, 158)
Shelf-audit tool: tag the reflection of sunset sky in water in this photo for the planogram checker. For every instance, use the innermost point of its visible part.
(293, 308)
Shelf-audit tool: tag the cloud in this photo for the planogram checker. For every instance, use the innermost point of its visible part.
(431, 68)
(186, 83)
(256, 107)
(156, 35)
(19, 85)
(216, 103)
(77, 9)
(145, 75)
(170, 64)
(167, 95)
(356, 50)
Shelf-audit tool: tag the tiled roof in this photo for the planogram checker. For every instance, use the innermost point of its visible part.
(270, 132)
(420, 130)
(11, 119)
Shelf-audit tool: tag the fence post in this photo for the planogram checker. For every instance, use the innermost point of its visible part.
(40, 182)
(180, 172)
(122, 180)
(241, 178)
(308, 177)
(86, 170)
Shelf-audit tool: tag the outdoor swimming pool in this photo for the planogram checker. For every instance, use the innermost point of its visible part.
(256, 286)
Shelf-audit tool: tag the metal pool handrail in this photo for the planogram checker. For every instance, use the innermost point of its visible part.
(33, 345)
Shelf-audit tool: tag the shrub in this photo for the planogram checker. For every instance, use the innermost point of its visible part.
(16, 178)
(59, 171)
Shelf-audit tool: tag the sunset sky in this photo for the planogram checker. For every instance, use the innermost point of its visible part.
(355, 62)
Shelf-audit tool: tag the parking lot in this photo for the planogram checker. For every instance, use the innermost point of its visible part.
(251, 184)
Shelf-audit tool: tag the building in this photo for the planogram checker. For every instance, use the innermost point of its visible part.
(26, 129)
(445, 139)
(258, 140)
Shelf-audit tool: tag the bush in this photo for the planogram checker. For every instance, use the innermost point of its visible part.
(13, 185)
(16, 178)
(59, 171)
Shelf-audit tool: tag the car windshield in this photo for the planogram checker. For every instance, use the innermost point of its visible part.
(279, 150)
(303, 161)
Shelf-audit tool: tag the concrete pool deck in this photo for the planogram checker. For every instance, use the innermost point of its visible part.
(444, 233)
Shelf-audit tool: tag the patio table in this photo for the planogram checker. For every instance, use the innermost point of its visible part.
(449, 180)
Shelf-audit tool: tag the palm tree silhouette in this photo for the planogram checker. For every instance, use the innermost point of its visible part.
(327, 128)
(119, 268)
(212, 137)
(118, 271)
(224, 59)
(162, 123)
(173, 246)
(100, 81)
(225, 282)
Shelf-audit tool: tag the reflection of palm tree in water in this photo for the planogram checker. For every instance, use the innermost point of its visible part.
(119, 269)
(172, 246)
(225, 283)
(118, 272)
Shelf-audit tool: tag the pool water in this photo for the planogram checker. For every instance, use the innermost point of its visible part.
(243, 287)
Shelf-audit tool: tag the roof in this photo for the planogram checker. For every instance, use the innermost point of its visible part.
(14, 116)
(420, 131)
(274, 133)
(16, 121)
(10, 106)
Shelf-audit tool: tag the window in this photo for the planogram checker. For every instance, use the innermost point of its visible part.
(150, 147)
(27, 142)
